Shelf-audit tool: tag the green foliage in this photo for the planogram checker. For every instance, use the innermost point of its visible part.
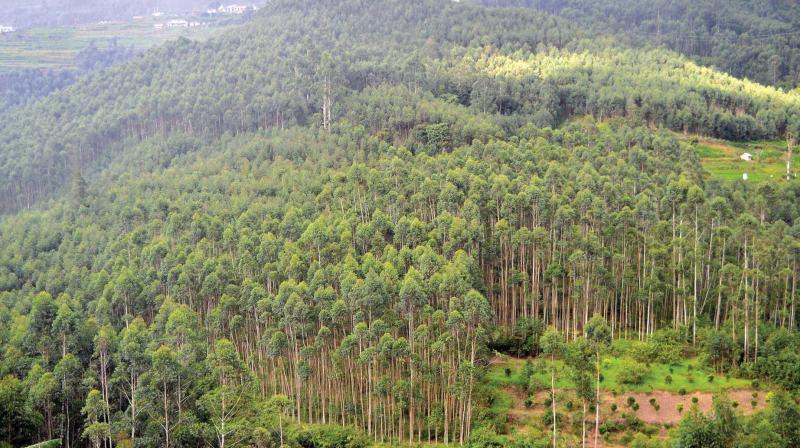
(632, 372)
(18, 421)
(349, 221)
(664, 347)
(329, 436)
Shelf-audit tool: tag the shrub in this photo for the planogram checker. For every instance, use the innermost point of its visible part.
(668, 379)
(652, 401)
(613, 407)
(507, 371)
(611, 426)
(547, 417)
(680, 408)
(529, 402)
(663, 347)
(657, 406)
(331, 436)
(682, 391)
(632, 372)
(631, 401)
(548, 401)
(632, 421)
(753, 403)
(695, 400)
(735, 404)
(570, 405)
(710, 378)
(754, 394)
(635, 406)
(755, 384)
(690, 378)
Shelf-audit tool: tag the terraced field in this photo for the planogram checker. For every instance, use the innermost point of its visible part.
(57, 47)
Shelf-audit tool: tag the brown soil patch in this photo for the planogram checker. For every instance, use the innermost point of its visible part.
(718, 145)
(668, 404)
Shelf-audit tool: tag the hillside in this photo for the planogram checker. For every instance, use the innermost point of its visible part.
(163, 92)
(754, 39)
(364, 223)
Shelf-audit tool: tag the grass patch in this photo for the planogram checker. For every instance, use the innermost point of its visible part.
(687, 375)
(720, 158)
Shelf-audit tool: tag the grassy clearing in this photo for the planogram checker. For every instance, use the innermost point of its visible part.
(57, 47)
(720, 158)
(688, 375)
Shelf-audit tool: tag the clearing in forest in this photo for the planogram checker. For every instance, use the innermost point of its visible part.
(722, 158)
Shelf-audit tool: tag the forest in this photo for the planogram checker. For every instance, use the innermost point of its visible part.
(373, 223)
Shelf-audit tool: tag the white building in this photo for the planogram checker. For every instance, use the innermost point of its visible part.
(747, 157)
(179, 23)
(233, 9)
(6, 29)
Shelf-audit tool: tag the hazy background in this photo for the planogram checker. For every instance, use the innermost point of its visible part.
(23, 13)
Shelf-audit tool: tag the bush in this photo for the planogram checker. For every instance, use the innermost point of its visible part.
(682, 391)
(735, 404)
(631, 401)
(529, 402)
(507, 371)
(754, 403)
(652, 401)
(668, 379)
(632, 421)
(690, 378)
(663, 347)
(755, 384)
(635, 406)
(680, 409)
(695, 400)
(710, 378)
(613, 407)
(611, 426)
(547, 417)
(330, 436)
(632, 372)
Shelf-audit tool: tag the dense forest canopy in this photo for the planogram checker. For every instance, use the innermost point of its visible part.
(319, 229)
(269, 75)
(754, 39)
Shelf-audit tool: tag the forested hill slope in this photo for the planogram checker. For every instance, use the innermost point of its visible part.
(317, 230)
(300, 62)
(754, 39)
